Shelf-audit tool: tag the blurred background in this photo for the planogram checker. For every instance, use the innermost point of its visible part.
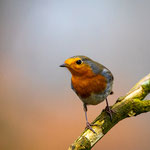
(38, 109)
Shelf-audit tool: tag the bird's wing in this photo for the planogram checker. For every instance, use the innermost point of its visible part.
(105, 71)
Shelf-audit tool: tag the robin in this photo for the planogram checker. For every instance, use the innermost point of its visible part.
(91, 81)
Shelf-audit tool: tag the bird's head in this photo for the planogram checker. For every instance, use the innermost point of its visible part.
(80, 65)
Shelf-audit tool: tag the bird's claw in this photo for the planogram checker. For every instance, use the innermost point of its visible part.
(109, 111)
(88, 126)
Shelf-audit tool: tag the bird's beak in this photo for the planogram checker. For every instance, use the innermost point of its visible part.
(63, 65)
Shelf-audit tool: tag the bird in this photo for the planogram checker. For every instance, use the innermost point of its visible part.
(91, 81)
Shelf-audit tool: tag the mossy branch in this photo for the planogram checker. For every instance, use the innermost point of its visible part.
(132, 104)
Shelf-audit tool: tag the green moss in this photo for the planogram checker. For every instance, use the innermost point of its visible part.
(131, 113)
(146, 86)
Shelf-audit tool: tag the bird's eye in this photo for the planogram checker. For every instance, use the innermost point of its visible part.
(79, 62)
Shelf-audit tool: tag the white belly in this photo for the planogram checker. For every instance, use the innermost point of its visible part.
(95, 99)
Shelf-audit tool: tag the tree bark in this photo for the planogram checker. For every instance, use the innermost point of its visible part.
(132, 104)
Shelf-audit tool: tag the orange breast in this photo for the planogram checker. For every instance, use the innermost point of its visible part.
(84, 86)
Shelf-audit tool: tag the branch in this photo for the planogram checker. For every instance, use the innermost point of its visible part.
(129, 105)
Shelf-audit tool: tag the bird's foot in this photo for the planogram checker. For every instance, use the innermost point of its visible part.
(109, 111)
(88, 126)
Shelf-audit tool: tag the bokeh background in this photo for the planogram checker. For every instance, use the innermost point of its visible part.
(38, 109)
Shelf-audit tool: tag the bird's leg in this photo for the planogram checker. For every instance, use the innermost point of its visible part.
(108, 109)
(88, 125)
